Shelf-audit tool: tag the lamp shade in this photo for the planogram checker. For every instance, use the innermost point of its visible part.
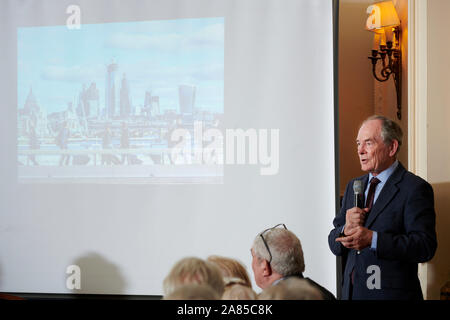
(382, 15)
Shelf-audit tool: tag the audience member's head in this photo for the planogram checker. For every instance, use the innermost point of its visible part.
(236, 291)
(292, 288)
(193, 270)
(231, 268)
(276, 253)
(193, 291)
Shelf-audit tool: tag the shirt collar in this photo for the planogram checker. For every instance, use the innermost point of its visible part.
(277, 281)
(384, 175)
(300, 275)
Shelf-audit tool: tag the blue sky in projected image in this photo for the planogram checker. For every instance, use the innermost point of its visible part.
(156, 56)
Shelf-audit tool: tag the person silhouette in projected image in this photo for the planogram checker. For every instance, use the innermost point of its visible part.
(171, 142)
(107, 144)
(34, 144)
(125, 142)
(62, 141)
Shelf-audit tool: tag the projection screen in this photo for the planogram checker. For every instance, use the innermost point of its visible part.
(136, 133)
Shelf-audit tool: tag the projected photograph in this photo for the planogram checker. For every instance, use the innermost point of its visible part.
(116, 101)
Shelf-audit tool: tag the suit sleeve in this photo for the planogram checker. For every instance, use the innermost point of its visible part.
(418, 243)
(339, 221)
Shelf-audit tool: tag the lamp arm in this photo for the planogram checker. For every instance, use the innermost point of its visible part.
(384, 72)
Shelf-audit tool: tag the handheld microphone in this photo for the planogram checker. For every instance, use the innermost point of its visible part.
(357, 191)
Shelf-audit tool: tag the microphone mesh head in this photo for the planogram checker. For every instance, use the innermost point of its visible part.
(357, 187)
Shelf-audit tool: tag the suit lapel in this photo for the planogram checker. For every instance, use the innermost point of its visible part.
(390, 189)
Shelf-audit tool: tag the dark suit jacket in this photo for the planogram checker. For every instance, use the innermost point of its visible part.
(404, 219)
(326, 295)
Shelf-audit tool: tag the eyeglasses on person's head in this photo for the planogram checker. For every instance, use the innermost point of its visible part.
(264, 240)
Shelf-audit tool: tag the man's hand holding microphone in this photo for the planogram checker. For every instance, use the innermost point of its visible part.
(354, 235)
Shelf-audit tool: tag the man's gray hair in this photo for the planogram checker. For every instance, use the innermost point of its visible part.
(286, 250)
(390, 130)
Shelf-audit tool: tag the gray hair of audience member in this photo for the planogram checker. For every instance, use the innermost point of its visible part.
(286, 250)
(291, 289)
(193, 291)
(192, 270)
(237, 291)
(390, 130)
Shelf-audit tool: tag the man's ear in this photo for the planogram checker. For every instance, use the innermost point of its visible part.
(393, 148)
(267, 269)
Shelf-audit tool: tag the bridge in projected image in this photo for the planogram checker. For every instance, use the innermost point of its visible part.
(143, 165)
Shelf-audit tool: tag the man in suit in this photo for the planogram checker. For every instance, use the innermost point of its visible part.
(276, 256)
(384, 241)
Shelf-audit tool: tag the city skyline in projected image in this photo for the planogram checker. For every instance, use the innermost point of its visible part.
(120, 85)
(154, 55)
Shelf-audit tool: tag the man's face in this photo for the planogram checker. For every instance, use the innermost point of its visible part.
(258, 270)
(374, 155)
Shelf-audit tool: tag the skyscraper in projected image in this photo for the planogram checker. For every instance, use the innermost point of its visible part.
(186, 96)
(110, 94)
(125, 104)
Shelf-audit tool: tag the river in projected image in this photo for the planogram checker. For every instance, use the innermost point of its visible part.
(110, 102)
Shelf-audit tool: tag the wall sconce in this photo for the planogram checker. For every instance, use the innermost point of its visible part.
(385, 24)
